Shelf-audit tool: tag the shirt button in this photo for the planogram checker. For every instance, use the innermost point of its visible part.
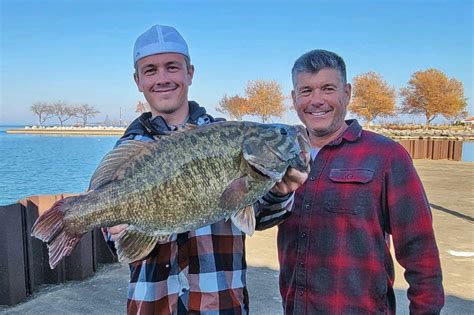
(303, 235)
(312, 178)
(301, 264)
(349, 176)
(307, 206)
(300, 292)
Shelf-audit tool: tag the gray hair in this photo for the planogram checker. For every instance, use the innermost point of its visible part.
(316, 60)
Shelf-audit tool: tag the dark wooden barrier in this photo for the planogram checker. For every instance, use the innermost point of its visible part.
(13, 288)
(433, 148)
(24, 264)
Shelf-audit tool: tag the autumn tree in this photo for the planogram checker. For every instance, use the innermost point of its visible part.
(142, 107)
(372, 97)
(85, 111)
(265, 99)
(63, 111)
(432, 93)
(235, 106)
(42, 110)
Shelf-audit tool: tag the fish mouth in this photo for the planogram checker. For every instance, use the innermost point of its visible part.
(302, 157)
(260, 170)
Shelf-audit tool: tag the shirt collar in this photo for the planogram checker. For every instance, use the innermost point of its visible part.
(351, 134)
(157, 125)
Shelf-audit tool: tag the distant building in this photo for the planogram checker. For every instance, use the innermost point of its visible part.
(469, 121)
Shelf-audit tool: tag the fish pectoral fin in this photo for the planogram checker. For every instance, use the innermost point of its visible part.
(234, 195)
(244, 220)
(135, 245)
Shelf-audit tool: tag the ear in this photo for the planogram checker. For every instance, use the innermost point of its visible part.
(190, 74)
(348, 92)
(137, 81)
(293, 97)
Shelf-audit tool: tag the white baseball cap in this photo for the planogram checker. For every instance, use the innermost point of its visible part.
(159, 39)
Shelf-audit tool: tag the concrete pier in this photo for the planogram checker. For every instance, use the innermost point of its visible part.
(450, 189)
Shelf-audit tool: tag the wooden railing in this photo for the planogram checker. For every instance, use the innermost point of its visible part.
(432, 148)
(24, 259)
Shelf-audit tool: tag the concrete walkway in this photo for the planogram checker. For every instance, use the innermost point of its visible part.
(450, 189)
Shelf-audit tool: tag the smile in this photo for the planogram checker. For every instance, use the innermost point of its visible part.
(164, 90)
(318, 114)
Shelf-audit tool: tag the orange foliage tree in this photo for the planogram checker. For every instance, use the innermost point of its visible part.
(235, 106)
(432, 93)
(265, 99)
(372, 97)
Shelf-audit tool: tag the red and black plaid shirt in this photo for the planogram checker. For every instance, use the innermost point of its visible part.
(333, 249)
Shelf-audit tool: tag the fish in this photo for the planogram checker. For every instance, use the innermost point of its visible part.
(180, 182)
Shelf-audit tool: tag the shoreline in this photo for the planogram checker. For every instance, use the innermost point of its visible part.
(102, 131)
(118, 131)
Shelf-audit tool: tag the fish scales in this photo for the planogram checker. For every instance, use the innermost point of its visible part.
(179, 183)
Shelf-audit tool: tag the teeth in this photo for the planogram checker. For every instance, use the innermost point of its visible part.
(318, 113)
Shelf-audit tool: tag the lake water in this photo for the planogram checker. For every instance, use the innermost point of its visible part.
(39, 164)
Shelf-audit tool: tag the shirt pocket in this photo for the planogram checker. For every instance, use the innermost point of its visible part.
(348, 191)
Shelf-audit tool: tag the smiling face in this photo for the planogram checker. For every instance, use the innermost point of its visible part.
(164, 80)
(321, 100)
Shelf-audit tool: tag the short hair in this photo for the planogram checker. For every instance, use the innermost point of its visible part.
(316, 60)
(187, 60)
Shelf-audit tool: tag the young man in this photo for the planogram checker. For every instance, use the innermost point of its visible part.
(334, 248)
(202, 271)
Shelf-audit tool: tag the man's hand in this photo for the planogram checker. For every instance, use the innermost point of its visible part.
(117, 231)
(290, 182)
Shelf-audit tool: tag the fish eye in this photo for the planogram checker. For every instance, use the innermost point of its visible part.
(283, 131)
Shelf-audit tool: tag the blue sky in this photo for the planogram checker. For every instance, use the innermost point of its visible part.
(81, 51)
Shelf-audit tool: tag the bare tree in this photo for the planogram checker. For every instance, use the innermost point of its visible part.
(142, 107)
(85, 111)
(63, 111)
(43, 110)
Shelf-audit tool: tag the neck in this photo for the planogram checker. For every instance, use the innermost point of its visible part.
(318, 141)
(176, 117)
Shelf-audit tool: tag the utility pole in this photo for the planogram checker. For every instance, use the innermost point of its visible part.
(120, 117)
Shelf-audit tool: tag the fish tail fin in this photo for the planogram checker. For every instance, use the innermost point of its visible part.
(50, 228)
(61, 246)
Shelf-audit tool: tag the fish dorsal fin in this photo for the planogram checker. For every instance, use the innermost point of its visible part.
(134, 245)
(114, 163)
(244, 220)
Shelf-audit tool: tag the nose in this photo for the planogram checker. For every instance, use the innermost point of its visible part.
(317, 97)
(161, 78)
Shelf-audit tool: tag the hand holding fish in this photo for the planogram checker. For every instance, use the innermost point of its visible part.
(116, 231)
(292, 180)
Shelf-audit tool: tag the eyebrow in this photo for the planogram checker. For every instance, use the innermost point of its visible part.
(168, 63)
(329, 84)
